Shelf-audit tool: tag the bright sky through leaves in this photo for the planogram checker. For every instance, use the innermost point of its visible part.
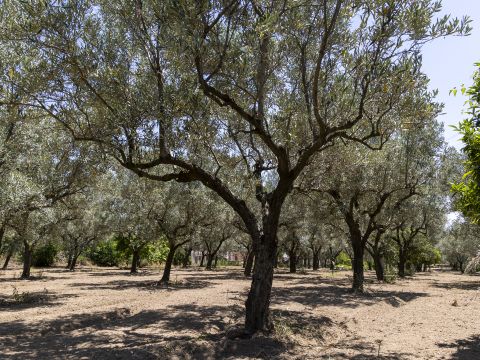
(449, 63)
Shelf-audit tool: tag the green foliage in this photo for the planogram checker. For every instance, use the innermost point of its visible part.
(468, 188)
(150, 252)
(343, 260)
(44, 256)
(425, 253)
(155, 253)
(105, 253)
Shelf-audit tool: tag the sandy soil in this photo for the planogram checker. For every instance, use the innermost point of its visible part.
(97, 313)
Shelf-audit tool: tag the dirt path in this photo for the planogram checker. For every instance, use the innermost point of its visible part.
(109, 314)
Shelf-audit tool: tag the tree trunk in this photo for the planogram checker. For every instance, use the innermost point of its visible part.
(258, 301)
(357, 265)
(216, 260)
(249, 264)
(168, 266)
(293, 261)
(27, 261)
(186, 259)
(332, 264)
(135, 261)
(209, 262)
(202, 259)
(460, 267)
(316, 261)
(73, 262)
(379, 266)
(2, 232)
(69, 260)
(7, 260)
(401, 265)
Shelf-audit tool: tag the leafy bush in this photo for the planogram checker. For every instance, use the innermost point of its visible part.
(155, 253)
(105, 254)
(44, 256)
(343, 260)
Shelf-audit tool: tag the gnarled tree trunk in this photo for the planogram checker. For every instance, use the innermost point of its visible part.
(249, 264)
(357, 265)
(258, 301)
(379, 266)
(168, 265)
(316, 261)
(27, 260)
(135, 261)
(402, 260)
(186, 259)
(73, 262)
(7, 259)
(292, 255)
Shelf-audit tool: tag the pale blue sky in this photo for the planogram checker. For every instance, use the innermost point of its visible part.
(449, 63)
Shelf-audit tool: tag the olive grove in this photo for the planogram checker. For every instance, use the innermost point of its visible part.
(306, 122)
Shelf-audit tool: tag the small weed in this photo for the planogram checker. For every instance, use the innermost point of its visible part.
(379, 343)
(26, 297)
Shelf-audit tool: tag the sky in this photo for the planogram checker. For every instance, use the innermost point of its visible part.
(448, 62)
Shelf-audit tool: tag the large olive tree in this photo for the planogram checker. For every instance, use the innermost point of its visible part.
(238, 95)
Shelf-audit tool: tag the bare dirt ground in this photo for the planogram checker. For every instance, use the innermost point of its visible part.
(103, 313)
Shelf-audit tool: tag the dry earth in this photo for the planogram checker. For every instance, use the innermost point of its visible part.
(102, 313)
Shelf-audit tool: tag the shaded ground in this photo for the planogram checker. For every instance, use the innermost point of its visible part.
(99, 313)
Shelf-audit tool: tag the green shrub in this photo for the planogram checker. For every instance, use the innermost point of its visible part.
(343, 260)
(105, 254)
(155, 253)
(44, 256)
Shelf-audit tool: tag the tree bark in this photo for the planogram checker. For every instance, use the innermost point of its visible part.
(73, 262)
(210, 258)
(27, 260)
(293, 261)
(2, 233)
(202, 259)
(316, 261)
(69, 261)
(401, 264)
(258, 302)
(249, 264)
(168, 266)
(186, 259)
(7, 259)
(357, 265)
(379, 266)
(135, 261)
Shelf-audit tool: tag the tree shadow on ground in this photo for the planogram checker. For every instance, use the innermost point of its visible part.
(26, 300)
(461, 285)
(151, 285)
(183, 332)
(466, 349)
(217, 275)
(180, 332)
(337, 293)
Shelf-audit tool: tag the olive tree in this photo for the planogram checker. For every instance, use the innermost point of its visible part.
(237, 95)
